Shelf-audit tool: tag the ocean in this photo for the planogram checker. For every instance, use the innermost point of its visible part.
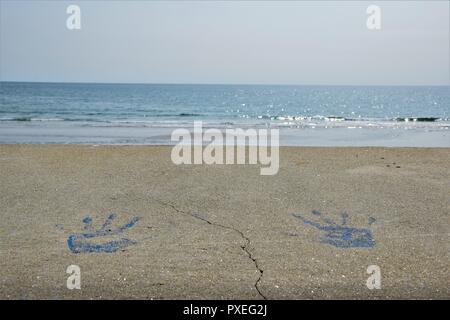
(147, 113)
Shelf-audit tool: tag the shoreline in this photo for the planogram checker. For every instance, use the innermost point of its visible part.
(69, 133)
(288, 147)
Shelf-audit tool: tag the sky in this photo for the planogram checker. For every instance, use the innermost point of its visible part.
(232, 42)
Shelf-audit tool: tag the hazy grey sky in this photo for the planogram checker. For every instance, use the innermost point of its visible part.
(226, 42)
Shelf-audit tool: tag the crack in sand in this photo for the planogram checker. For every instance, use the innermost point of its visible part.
(244, 248)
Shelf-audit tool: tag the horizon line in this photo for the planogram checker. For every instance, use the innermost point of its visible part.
(227, 84)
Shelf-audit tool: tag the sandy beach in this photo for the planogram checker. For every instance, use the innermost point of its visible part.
(224, 231)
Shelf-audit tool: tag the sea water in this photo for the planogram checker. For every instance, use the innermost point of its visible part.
(148, 113)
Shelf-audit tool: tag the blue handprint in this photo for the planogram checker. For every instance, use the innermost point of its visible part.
(79, 243)
(341, 235)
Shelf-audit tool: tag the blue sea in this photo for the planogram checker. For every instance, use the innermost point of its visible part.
(147, 113)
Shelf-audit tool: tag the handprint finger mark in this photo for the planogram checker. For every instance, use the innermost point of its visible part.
(341, 236)
(81, 243)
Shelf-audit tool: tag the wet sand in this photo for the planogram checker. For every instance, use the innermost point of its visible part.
(224, 231)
